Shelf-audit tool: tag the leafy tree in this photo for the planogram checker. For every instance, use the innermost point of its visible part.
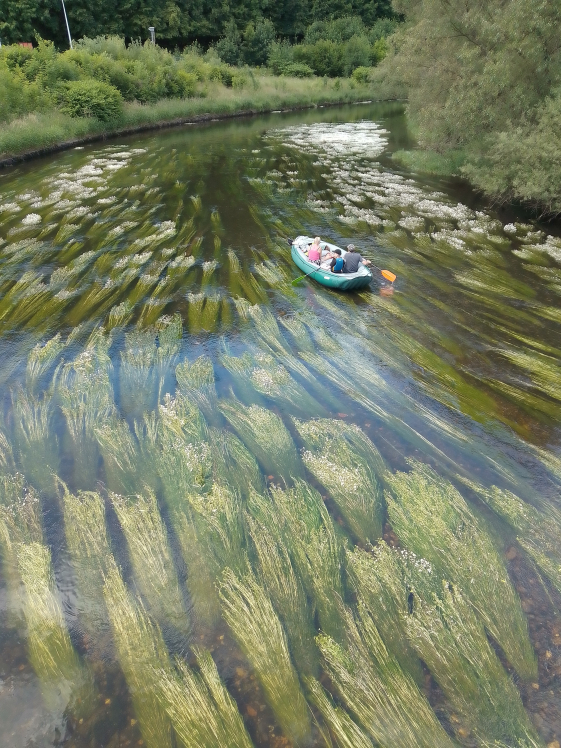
(257, 40)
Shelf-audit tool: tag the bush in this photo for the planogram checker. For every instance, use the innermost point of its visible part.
(257, 41)
(239, 80)
(229, 48)
(340, 30)
(379, 51)
(356, 53)
(297, 70)
(89, 98)
(17, 56)
(361, 74)
(222, 74)
(324, 57)
(281, 54)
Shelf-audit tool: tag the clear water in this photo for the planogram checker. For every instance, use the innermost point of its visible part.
(457, 365)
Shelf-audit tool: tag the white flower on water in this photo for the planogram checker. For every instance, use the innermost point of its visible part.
(31, 219)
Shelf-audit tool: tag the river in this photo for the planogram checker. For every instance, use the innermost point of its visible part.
(198, 459)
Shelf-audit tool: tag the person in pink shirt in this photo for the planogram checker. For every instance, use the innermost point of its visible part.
(314, 251)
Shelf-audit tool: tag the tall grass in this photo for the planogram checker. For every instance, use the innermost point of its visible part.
(350, 467)
(142, 656)
(256, 627)
(151, 558)
(432, 519)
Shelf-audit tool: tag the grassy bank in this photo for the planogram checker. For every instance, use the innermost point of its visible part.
(431, 162)
(44, 130)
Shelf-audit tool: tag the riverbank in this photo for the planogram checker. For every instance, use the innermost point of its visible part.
(43, 133)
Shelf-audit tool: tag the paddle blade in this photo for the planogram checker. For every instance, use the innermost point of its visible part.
(297, 280)
(388, 276)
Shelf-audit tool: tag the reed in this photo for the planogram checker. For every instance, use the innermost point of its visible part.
(265, 435)
(315, 549)
(200, 708)
(347, 733)
(142, 656)
(382, 697)
(277, 575)
(432, 519)
(196, 381)
(36, 444)
(151, 558)
(65, 681)
(539, 529)
(86, 399)
(345, 461)
(256, 627)
(92, 559)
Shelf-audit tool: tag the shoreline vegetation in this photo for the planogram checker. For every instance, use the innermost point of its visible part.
(39, 134)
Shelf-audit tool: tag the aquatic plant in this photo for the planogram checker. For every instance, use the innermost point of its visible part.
(20, 522)
(432, 519)
(540, 529)
(271, 379)
(268, 329)
(378, 579)
(40, 360)
(142, 656)
(449, 638)
(92, 559)
(86, 399)
(170, 336)
(265, 435)
(64, 679)
(315, 549)
(194, 311)
(138, 376)
(298, 331)
(343, 458)
(197, 381)
(233, 463)
(371, 684)
(347, 733)
(119, 315)
(278, 577)
(36, 444)
(256, 627)
(151, 558)
(209, 315)
(125, 471)
(200, 708)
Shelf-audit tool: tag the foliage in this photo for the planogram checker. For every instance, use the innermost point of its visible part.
(91, 98)
(297, 70)
(485, 77)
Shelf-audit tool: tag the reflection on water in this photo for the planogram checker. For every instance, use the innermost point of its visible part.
(238, 512)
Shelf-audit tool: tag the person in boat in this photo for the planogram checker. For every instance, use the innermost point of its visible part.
(314, 251)
(335, 262)
(353, 260)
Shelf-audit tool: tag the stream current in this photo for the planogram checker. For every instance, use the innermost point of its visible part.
(187, 441)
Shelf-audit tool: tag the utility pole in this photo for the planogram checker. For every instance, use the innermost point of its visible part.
(67, 26)
(152, 31)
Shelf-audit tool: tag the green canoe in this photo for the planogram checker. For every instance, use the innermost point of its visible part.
(341, 281)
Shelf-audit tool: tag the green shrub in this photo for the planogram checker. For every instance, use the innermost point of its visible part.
(379, 50)
(90, 98)
(179, 83)
(239, 80)
(361, 74)
(229, 48)
(281, 54)
(339, 30)
(221, 73)
(17, 56)
(324, 57)
(356, 53)
(257, 41)
(297, 70)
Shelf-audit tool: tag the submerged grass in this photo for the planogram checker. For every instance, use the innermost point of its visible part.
(200, 708)
(316, 551)
(432, 519)
(64, 679)
(266, 436)
(350, 467)
(196, 381)
(279, 578)
(256, 627)
(347, 733)
(384, 699)
(36, 443)
(151, 558)
(142, 656)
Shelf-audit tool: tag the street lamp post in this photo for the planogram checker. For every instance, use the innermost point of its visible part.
(67, 26)
(152, 31)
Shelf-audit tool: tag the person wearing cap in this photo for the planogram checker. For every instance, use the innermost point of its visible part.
(354, 259)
